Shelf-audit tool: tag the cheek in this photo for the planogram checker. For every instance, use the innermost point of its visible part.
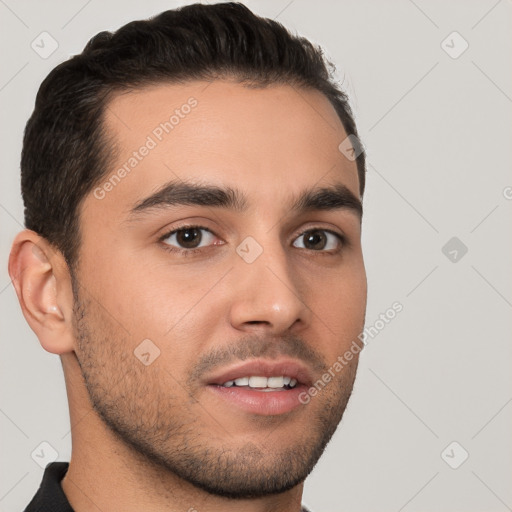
(169, 299)
(174, 307)
(145, 298)
(340, 306)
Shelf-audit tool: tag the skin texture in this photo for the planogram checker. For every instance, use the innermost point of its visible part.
(155, 437)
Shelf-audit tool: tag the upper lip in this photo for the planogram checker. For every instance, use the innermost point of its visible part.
(264, 368)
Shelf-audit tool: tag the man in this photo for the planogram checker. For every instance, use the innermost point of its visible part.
(192, 188)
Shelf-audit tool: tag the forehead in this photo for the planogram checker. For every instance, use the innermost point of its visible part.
(268, 142)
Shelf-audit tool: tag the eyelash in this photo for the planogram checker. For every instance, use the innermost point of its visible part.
(190, 252)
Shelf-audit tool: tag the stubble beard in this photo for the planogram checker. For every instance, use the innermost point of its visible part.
(166, 431)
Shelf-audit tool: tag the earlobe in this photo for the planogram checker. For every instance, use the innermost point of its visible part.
(42, 282)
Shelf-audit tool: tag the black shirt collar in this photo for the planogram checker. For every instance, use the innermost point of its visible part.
(50, 495)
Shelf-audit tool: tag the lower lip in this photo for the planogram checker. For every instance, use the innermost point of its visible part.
(268, 403)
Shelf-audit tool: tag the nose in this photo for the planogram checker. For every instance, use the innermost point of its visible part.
(268, 294)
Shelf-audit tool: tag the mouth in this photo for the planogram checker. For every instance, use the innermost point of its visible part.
(262, 387)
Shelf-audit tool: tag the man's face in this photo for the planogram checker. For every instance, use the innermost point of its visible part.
(262, 288)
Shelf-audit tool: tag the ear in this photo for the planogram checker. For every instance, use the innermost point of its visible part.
(42, 281)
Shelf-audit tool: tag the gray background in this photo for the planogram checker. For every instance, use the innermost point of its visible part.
(438, 135)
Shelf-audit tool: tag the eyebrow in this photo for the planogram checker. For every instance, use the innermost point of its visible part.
(333, 197)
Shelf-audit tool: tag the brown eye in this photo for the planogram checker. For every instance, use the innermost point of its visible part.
(320, 240)
(189, 237)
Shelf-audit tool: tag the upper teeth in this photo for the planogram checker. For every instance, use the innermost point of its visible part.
(262, 382)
